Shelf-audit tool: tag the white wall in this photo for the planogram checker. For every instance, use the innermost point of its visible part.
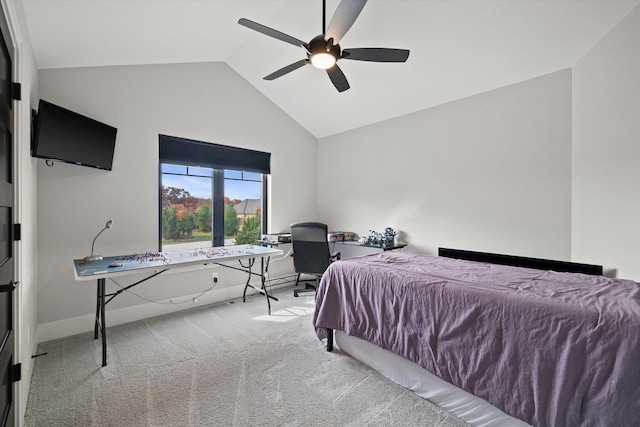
(207, 102)
(606, 151)
(491, 172)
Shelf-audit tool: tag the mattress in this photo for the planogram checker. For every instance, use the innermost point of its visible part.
(465, 406)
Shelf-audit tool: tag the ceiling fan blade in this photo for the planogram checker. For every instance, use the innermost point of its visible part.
(337, 78)
(343, 18)
(271, 32)
(286, 70)
(376, 54)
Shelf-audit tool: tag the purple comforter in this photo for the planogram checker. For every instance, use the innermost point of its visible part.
(552, 349)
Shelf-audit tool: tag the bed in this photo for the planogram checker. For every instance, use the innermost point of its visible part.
(497, 344)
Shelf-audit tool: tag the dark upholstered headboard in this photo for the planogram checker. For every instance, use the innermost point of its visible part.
(517, 261)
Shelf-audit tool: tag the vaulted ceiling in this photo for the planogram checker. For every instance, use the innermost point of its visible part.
(458, 48)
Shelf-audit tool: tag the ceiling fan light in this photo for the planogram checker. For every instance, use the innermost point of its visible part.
(323, 60)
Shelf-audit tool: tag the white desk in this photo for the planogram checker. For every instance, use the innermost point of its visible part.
(156, 263)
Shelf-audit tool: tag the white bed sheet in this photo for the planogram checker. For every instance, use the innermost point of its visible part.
(469, 408)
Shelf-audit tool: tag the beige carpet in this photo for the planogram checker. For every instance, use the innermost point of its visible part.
(227, 364)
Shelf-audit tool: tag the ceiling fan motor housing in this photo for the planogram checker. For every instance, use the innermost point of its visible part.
(319, 45)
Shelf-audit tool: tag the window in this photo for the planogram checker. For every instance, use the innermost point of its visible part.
(207, 197)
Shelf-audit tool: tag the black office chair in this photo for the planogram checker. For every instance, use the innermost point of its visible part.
(311, 254)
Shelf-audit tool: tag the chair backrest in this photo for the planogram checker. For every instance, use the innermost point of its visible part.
(310, 247)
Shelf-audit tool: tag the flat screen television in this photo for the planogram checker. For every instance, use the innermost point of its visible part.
(64, 135)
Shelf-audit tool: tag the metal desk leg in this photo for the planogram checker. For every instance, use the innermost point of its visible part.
(97, 321)
(263, 271)
(100, 321)
(264, 268)
(248, 284)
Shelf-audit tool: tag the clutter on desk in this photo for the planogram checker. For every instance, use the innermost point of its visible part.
(277, 238)
(341, 236)
(384, 239)
(336, 236)
(284, 238)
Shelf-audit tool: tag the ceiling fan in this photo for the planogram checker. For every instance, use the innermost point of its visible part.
(324, 51)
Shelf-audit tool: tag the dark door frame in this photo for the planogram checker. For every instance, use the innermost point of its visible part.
(11, 37)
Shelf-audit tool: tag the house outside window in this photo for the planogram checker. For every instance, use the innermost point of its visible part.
(246, 209)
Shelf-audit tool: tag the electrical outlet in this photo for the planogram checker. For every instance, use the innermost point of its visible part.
(214, 278)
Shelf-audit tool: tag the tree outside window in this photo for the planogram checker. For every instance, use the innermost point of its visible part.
(231, 221)
(249, 233)
(204, 218)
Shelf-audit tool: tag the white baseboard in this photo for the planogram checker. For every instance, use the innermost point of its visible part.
(77, 325)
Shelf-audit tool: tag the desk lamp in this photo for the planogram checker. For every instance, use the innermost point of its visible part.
(93, 257)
